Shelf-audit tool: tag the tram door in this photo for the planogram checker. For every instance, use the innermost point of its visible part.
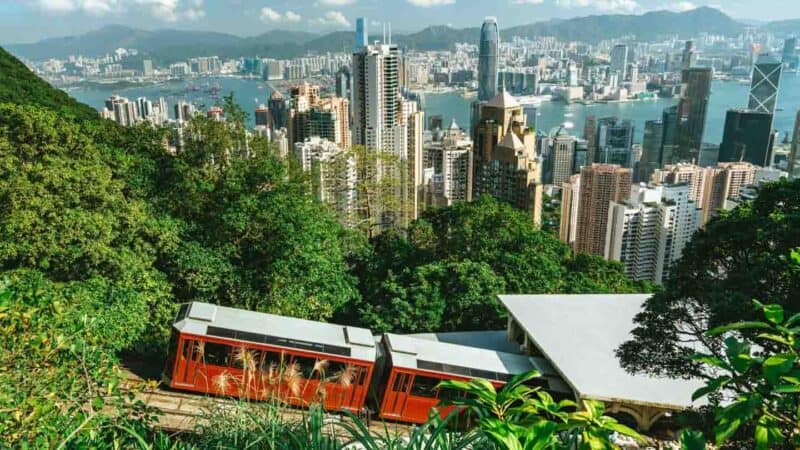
(189, 361)
(397, 394)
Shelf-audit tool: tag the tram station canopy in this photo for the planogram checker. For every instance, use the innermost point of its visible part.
(578, 335)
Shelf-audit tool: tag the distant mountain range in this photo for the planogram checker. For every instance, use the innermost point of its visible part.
(166, 46)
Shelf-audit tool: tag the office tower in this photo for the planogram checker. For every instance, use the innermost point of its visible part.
(505, 160)
(765, 84)
(590, 135)
(649, 231)
(147, 67)
(488, 60)
(581, 156)
(451, 161)
(669, 139)
(436, 123)
(570, 200)
(601, 184)
(691, 119)
(412, 179)
(563, 155)
(572, 74)
(794, 152)
(615, 142)
(789, 56)
(619, 60)
(277, 110)
(709, 155)
(688, 57)
(343, 82)
(333, 179)
(652, 143)
(747, 137)
(362, 36)
(262, 116)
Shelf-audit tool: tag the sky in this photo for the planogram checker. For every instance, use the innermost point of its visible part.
(31, 20)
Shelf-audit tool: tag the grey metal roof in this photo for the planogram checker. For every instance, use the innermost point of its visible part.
(578, 334)
(211, 320)
(408, 351)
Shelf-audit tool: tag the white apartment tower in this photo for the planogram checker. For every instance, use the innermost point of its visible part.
(648, 232)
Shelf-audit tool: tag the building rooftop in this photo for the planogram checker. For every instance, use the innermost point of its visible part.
(205, 319)
(579, 335)
(503, 100)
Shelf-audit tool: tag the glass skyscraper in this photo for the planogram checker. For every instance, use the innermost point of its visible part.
(764, 87)
(488, 60)
(361, 34)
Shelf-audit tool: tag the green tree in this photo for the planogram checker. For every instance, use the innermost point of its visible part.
(740, 256)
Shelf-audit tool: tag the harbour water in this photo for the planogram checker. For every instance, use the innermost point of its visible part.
(250, 92)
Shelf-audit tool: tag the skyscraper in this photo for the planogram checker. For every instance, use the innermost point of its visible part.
(590, 135)
(619, 60)
(262, 116)
(376, 99)
(505, 161)
(789, 56)
(688, 57)
(277, 110)
(563, 155)
(362, 36)
(614, 142)
(765, 84)
(692, 108)
(794, 152)
(451, 159)
(600, 185)
(748, 137)
(652, 143)
(488, 60)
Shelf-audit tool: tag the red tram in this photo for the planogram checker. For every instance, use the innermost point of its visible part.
(232, 352)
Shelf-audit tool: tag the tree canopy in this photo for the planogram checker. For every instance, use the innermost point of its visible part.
(742, 255)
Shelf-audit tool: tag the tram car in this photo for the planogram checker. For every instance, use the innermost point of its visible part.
(232, 352)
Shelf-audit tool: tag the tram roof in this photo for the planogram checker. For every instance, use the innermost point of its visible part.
(205, 319)
(579, 335)
(418, 353)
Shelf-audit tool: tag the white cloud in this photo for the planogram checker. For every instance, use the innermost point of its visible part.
(527, 2)
(291, 16)
(601, 5)
(337, 2)
(269, 15)
(164, 10)
(681, 6)
(332, 18)
(429, 3)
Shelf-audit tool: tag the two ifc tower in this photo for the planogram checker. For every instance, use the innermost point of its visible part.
(488, 57)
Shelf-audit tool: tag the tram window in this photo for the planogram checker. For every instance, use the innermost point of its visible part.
(217, 354)
(274, 361)
(450, 394)
(424, 386)
(306, 366)
(401, 382)
(336, 369)
(188, 346)
(241, 353)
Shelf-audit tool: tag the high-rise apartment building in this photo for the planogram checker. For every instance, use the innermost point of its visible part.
(765, 84)
(505, 160)
(649, 231)
(451, 160)
(748, 137)
(570, 200)
(333, 182)
(689, 56)
(590, 135)
(729, 179)
(488, 60)
(600, 185)
(692, 111)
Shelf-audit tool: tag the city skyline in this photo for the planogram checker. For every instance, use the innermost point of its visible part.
(29, 21)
